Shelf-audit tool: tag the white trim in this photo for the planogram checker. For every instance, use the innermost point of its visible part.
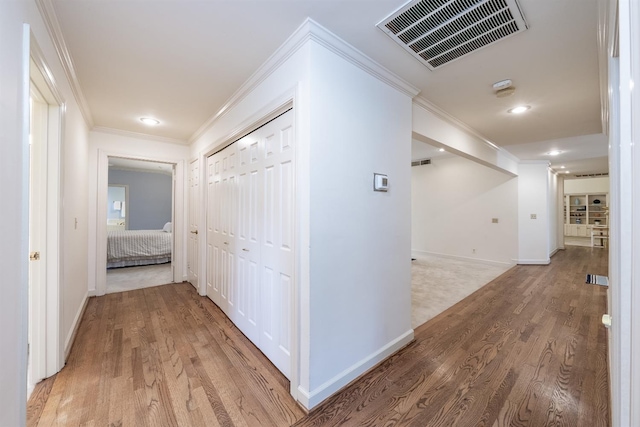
(536, 162)
(53, 321)
(48, 13)
(533, 261)
(554, 252)
(421, 254)
(137, 135)
(71, 336)
(332, 386)
(178, 251)
(309, 30)
(277, 106)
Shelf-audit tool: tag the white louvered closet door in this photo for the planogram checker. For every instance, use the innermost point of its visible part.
(250, 219)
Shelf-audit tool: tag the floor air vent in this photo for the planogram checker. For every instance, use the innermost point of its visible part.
(421, 162)
(437, 32)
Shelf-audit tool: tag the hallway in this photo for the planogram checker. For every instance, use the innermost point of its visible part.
(527, 349)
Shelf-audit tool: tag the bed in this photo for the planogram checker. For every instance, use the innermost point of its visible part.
(127, 248)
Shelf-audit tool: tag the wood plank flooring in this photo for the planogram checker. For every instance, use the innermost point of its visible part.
(528, 349)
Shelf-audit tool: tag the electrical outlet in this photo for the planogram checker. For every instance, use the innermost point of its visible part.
(494, 220)
(534, 216)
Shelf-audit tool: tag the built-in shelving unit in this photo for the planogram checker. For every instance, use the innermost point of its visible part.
(584, 211)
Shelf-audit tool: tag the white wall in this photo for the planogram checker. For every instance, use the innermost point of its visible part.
(13, 249)
(453, 201)
(586, 185)
(533, 199)
(102, 145)
(353, 245)
(360, 239)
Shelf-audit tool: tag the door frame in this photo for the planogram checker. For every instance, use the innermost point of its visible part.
(48, 350)
(178, 260)
(287, 100)
(195, 255)
(624, 253)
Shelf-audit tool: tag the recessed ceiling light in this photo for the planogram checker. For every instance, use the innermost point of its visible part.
(149, 121)
(566, 171)
(441, 150)
(519, 109)
(554, 152)
(562, 167)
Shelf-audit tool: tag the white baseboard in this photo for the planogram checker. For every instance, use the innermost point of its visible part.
(534, 261)
(554, 252)
(311, 399)
(92, 293)
(419, 254)
(71, 336)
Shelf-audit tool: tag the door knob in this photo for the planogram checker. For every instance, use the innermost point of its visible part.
(194, 232)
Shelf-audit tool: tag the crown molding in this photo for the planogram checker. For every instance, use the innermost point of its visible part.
(48, 13)
(329, 40)
(432, 108)
(309, 30)
(137, 135)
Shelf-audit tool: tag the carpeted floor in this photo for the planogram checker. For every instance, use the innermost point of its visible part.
(130, 278)
(439, 283)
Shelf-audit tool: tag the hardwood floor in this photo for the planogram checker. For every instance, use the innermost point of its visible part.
(528, 349)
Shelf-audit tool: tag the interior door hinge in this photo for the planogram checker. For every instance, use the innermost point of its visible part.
(34, 256)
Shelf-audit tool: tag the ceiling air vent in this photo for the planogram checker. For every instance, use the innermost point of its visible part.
(591, 175)
(421, 162)
(437, 32)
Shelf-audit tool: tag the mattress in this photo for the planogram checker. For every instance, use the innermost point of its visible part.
(137, 247)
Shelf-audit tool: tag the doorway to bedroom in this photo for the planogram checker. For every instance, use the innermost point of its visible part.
(140, 211)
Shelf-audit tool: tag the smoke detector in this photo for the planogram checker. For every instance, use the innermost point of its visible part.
(504, 88)
(502, 84)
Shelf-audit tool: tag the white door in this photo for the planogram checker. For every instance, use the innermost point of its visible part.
(276, 250)
(250, 236)
(192, 248)
(37, 230)
(221, 227)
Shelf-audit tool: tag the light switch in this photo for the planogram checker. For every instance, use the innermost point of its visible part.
(534, 216)
(494, 220)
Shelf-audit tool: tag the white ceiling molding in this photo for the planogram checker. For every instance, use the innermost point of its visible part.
(423, 103)
(309, 30)
(329, 40)
(138, 135)
(47, 11)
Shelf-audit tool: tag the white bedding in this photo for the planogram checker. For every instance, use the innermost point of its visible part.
(137, 247)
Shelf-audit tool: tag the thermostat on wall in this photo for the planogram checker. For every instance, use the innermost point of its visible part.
(380, 182)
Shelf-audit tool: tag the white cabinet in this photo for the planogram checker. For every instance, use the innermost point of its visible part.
(581, 231)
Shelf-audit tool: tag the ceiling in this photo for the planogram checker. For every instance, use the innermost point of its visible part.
(180, 60)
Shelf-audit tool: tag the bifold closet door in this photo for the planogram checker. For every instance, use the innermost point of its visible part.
(221, 211)
(250, 220)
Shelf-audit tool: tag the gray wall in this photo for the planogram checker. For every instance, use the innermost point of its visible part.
(149, 197)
